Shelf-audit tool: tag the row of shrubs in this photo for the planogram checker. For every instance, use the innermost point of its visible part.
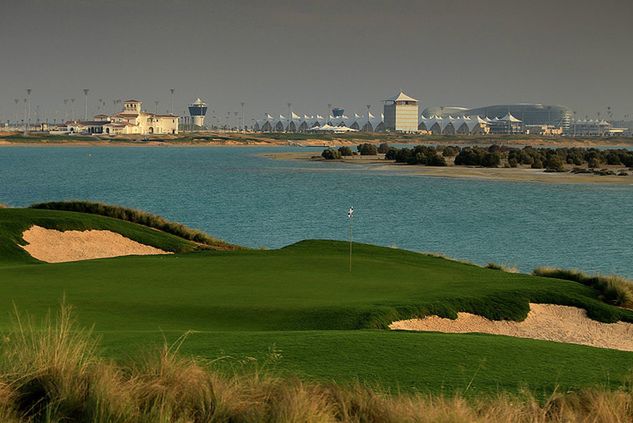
(136, 216)
(553, 159)
(613, 289)
(51, 372)
(364, 149)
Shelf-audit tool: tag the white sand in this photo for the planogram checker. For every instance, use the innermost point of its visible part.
(544, 321)
(54, 246)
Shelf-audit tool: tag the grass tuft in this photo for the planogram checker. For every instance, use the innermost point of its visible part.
(140, 217)
(613, 289)
(501, 267)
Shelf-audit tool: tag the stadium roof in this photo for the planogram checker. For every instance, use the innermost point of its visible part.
(401, 97)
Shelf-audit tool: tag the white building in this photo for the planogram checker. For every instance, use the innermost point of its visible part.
(589, 128)
(464, 125)
(297, 123)
(401, 113)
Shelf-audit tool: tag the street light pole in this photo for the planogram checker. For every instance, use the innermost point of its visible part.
(242, 128)
(27, 122)
(86, 91)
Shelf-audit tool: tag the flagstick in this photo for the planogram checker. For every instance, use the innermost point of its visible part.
(350, 244)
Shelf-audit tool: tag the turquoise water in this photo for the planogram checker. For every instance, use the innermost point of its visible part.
(237, 195)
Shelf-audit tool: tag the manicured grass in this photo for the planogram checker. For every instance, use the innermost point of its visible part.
(303, 300)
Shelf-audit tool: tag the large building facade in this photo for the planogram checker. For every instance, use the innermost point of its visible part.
(528, 113)
(401, 113)
(132, 120)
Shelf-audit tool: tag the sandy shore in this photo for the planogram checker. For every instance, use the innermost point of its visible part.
(465, 172)
(548, 322)
(52, 246)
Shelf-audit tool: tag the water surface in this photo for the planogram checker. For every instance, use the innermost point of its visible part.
(242, 197)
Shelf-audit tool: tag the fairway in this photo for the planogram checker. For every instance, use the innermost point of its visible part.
(298, 310)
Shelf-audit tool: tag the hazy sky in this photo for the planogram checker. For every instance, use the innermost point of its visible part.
(311, 53)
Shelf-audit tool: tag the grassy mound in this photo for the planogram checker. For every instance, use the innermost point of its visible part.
(52, 372)
(613, 289)
(137, 216)
(13, 222)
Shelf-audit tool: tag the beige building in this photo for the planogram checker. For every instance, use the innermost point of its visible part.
(133, 120)
(401, 113)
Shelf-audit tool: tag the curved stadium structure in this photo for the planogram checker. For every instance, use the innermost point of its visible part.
(530, 114)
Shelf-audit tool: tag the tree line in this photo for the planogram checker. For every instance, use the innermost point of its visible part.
(551, 159)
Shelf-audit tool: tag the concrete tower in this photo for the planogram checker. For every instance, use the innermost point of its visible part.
(197, 110)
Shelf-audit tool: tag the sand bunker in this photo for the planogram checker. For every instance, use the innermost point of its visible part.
(54, 246)
(545, 321)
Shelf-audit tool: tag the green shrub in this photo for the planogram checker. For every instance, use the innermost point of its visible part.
(553, 163)
(450, 151)
(383, 148)
(137, 216)
(330, 154)
(491, 160)
(345, 151)
(367, 149)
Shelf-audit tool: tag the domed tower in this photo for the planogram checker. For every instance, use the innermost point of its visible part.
(197, 111)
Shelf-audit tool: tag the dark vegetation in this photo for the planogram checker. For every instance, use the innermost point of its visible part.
(367, 149)
(345, 151)
(551, 159)
(331, 154)
(137, 216)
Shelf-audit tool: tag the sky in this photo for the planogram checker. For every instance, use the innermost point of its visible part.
(313, 53)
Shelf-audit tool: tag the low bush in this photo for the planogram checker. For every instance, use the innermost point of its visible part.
(331, 154)
(136, 216)
(612, 289)
(383, 148)
(367, 149)
(345, 151)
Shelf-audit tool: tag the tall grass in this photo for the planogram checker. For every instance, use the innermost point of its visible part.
(137, 216)
(613, 289)
(502, 267)
(51, 372)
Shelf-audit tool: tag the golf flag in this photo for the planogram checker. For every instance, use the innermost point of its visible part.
(350, 214)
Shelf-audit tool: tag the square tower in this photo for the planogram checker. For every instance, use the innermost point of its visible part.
(132, 106)
(401, 113)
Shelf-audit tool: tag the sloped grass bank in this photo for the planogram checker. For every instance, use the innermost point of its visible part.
(137, 216)
(612, 289)
(14, 221)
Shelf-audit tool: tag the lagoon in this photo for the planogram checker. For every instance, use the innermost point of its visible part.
(238, 195)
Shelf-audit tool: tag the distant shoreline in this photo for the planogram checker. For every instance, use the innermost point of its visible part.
(465, 172)
(221, 139)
